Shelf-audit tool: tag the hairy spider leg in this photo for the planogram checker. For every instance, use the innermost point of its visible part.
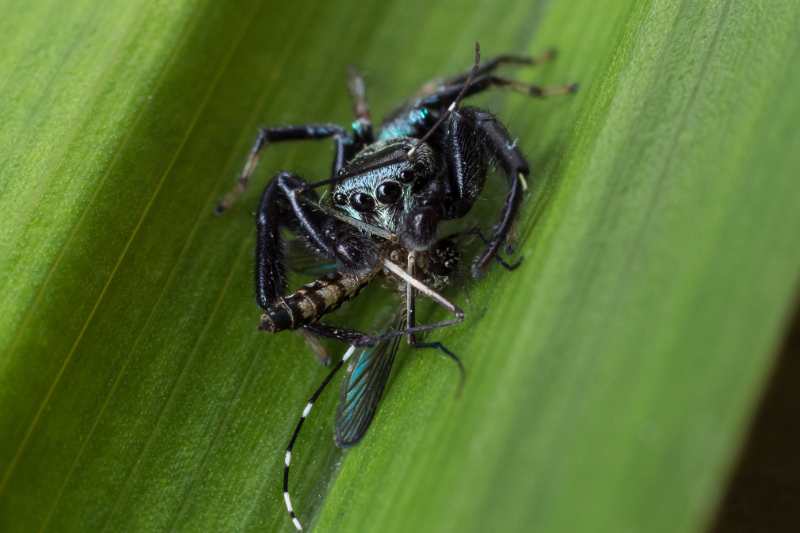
(362, 126)
(270, 271)
(344, 147)
(516, 169)
(270, 268)
(287, 461)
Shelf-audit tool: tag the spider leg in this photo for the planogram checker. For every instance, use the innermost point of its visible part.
(280, 207)
(358, 91)
(272, 215)
(446, 93)
(469, 130)
(344, 146)
(494, 63)
(505, 149)
(316, 228)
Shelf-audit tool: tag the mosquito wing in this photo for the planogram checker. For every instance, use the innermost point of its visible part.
(302, 260)
(367, 375)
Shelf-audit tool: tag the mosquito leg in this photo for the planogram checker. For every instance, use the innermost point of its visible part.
(410, 320)
(287, 461)
(502, 262)
(400, 272)
(312, 341)
(363, 226)
(411, 307)
(345, 335)
(452, 356)
(358, 338)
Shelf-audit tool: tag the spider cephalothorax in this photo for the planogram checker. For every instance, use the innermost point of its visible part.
(382, 182)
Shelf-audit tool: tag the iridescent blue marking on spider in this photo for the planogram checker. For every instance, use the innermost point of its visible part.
(405, 125)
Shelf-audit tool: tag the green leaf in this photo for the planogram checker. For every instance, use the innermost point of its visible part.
(610, 378)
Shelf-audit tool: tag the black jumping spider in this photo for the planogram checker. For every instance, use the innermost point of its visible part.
(389, 191)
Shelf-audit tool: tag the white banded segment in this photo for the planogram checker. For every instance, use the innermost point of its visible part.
(287, 460)
(288, 500)
(348, 354)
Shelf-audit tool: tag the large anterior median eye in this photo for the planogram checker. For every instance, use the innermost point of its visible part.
(407, 175)
(388, 192)
(362, 202)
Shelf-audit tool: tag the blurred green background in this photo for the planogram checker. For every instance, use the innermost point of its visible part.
(612, 377)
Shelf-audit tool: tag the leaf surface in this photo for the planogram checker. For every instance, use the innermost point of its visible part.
(610, 377)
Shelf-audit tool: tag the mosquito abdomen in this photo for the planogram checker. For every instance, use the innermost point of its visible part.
(312, 301)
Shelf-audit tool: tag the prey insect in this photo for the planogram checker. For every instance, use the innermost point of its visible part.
(388, 194)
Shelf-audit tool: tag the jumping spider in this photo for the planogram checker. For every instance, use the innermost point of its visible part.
(389, 192)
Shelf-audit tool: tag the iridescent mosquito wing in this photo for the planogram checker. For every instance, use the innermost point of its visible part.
(301, 260)
(367, 375)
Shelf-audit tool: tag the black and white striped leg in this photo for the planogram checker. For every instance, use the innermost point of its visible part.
(306, 410)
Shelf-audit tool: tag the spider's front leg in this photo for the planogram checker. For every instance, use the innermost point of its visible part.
(516, 169)
(470, 131)
(287, 203)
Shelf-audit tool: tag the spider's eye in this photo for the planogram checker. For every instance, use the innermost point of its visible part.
(407, 175)
(339, 199)
(362, 202)
(388, 192)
